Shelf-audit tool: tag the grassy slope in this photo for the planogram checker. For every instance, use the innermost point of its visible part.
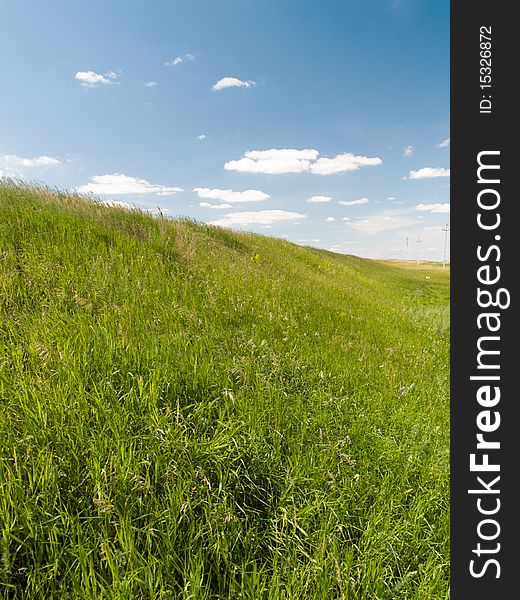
(193, 413)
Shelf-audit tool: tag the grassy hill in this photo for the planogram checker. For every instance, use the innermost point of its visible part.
(188, 412)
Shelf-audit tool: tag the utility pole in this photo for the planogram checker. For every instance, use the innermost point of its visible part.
(419, 251)
(406, 253)
(445, 229)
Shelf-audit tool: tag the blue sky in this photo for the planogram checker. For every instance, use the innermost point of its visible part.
(326, 123)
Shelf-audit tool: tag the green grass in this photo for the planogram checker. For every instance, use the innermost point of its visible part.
(192, 413)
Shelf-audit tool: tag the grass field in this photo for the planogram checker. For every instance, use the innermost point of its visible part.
(188, 412)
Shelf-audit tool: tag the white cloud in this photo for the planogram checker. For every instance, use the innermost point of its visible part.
(427, 172)
(353, 202)
(231, 82)
(179, 59)
(262, 217)
(118, 184)
(208, 205)
(342, 163)
(434, 208)
(231, 196)
(387, 220)
(445, 143)
(290, 160)
(150, 84)
(345, 219)
(11, 161)
(330, 219)
(318, 199)
(12, 165)
(391, 198)
(92, 79)
(273, 161)
(408, 151)
(306, 154)
(202, 136)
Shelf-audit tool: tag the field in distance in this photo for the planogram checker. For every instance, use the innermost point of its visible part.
(188, 412)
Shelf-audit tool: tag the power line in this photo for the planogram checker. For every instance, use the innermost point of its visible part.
(445, 229)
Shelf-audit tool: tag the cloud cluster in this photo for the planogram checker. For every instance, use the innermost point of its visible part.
(217, 206)
(353, 202)
(408, 151)
(428, 172)
(445, 143)
(118, 184)
(387, 220)
(231, 82)
(434, 208)
(230, 196)
(343, 163)
(179, 59)
(14, 162)
(12, 165)
(290, 160)
(93, 79)
(273, 161)
(318, 199)
(261, 217)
